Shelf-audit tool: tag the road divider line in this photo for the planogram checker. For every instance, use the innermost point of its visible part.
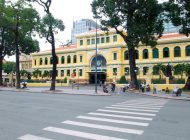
(132, 109)
(32, 137)
(121, 116)
(126, 112)
(105, 127)
(80, 134)
(113, 121)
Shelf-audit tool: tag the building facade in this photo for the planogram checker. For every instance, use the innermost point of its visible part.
(81, 26)
(25, 62)
(77, 62)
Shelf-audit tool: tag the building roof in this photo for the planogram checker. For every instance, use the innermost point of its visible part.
(61, 48)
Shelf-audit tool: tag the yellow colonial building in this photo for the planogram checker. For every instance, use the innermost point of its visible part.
(112, 58)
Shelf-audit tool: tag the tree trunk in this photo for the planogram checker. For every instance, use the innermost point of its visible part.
(187, 84)
(54, 70)
(1, 68)
(131, 48)
(17, 56)
(133, 70)
(1, 56)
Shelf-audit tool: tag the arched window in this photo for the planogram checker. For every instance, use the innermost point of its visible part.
(62, 60)
(126, 55)
(68, 59)
(74, 59)
(145, 54)
(166, 52)
(187, 50)
(46, 61)
(155, 53)
(177, 51)
(136, 54)
(51, 60)
(41, 61)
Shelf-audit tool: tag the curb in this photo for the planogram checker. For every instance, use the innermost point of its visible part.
(184, 98)
(56, 92)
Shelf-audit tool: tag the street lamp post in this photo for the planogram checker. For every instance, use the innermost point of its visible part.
(96, 61)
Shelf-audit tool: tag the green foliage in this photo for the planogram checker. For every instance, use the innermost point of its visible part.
(177, 81)
(122, 80)
(179, 13)
(159, 81)
(9, 67)
(36, 73)
(46, 74)
(140, 18)
(65, 80)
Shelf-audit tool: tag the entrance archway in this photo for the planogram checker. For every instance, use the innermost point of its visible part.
(101, 69)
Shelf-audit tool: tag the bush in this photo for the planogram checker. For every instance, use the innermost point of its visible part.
(159, 81)
(177, 81)
(36, 81)
(65, 80)
(123, 80)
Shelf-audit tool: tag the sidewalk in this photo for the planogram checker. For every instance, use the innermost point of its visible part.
(184, 96)
(57, 91)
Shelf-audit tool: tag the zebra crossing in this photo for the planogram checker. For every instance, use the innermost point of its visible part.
(129, 118)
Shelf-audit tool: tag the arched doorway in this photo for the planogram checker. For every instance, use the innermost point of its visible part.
(101, 69)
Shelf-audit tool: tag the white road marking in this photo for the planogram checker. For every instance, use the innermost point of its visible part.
(105, 127)
(113, 121)
(126, 112)
(80, 134)
(32, 137)
(121, 116)
(133, 109)
(141, 105)
(129, 106)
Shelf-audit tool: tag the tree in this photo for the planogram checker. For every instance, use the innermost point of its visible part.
(46, 74)
(25, 74)
(178, 12)
(36, 73)
(159, 69)
(49, 27)
(9, 67)
(6, 41)
(24, 21)
(140, 21)
(179, 69)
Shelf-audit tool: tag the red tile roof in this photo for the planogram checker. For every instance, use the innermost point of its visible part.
(172, 35)
(62, 47)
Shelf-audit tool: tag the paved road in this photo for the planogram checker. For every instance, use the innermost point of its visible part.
(36, 116)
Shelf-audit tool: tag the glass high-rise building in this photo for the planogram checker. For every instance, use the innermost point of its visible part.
(81, 26)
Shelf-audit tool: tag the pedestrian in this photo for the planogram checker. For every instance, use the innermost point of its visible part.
(148, 88)
(113, 87)
(154, 88)
(142, 87)
(167, 90)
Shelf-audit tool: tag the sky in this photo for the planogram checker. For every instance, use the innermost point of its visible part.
(68, 11)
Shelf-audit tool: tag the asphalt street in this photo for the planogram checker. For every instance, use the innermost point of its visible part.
(40, 116)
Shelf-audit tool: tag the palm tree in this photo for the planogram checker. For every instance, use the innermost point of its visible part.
(46, 74)
(179, 69)
(36, 73)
